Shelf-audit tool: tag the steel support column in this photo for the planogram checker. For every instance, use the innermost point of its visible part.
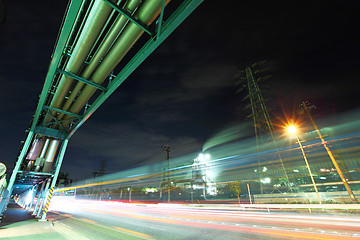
(59, 161)
(40, 193)
(47, 203)
(10, 186)
(57, 171)
(43, 196)
(34, 190)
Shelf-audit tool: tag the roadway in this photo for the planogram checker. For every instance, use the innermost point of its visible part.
(113, 220)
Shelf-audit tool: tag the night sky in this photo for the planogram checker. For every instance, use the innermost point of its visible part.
(184, 92)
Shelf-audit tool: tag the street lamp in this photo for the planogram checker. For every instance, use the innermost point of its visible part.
(292, 130)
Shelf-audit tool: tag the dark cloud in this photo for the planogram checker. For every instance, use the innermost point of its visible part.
(183, 94)
(123, 146)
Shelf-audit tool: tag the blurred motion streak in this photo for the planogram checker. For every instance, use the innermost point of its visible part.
(236, 163)
(279, 226)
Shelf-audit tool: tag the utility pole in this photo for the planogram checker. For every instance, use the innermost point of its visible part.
(309, 169)
(167, 149)
(101, 171)
(305, 107)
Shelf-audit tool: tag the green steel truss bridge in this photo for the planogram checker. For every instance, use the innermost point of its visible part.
(94, 39)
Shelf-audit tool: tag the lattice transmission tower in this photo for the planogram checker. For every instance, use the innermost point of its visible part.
(249, 79)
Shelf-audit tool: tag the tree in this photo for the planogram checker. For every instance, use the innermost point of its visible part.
(234, 187)
(63, 180)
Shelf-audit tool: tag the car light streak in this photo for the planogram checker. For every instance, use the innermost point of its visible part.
(280, 233)
(130, 215)
(281, 221)
(222, 221)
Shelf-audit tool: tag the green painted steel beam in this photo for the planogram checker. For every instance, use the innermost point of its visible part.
(61, 111)
(73, 9)
(59, 161)
(183, 11)
(73, 76)
(10, 185)
(57, 170)
(128, 16)
(35, 173)
(50, 132)
(55, 120)
(160, 18)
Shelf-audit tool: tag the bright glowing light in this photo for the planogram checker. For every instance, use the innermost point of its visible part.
(151, 190)
(292, 129)
(212, 173)
(266, 180)
(29, 197)
(211, 189)
(202, 158)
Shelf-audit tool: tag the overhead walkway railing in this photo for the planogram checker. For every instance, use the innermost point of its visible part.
(93, 41)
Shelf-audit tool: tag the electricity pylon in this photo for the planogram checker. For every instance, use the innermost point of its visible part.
(262, 122)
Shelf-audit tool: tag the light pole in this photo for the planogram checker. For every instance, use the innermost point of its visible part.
(306, 108)
(292, 130)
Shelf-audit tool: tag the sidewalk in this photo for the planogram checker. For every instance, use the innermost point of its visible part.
(18, 223)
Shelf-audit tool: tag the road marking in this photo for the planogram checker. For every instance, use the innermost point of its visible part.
(302, 235)
(88, 220)
(67, 215)
(133, 232)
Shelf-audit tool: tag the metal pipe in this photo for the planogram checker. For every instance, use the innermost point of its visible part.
(113, 33)
(35, 149)
(97, 18)
(146, 14)
(34, 153)
(50, 155)
(101, 34)
(75, 33)
(43, 152)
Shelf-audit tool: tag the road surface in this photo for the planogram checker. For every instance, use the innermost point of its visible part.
(113, 220)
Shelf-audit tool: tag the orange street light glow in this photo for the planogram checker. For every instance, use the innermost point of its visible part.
(292, 129)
